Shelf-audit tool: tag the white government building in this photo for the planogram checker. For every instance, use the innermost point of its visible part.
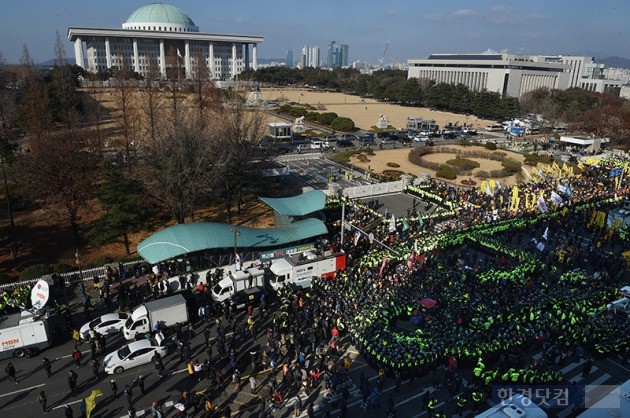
(167, 36)
(508, 74)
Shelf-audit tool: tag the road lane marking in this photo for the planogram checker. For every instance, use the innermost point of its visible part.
(70, 403)
(21, 390)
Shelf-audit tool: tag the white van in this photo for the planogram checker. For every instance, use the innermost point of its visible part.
(319, 144)
(495, 128)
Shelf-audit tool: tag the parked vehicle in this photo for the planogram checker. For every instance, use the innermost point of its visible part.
(298, 270)
(134, 354)
(316, 143)
(367, 138)
(247, 297)
(106, 324)
(239, 280)
(331, 138)
(344, 143)
(25, 334)
(495, 128)
(164, 312)
(349, 137)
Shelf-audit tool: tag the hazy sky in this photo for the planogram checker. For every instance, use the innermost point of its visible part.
(414, 28)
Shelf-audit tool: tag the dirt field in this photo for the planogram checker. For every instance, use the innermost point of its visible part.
(365, 112)
(378, 162)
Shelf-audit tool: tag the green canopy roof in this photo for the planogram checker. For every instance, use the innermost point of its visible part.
(299, 205)
(188, 238)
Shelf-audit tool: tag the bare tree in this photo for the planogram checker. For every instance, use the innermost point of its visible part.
(206, 97)
(152, 104)
(94, 108)
(35, 116)
(240, 132)
(540, 102)
(63, 88)
(180, 174)
(59, 173)
(126, 113)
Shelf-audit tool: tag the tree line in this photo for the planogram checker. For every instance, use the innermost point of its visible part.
(137, 151)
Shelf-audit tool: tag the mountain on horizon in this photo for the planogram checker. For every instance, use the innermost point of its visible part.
(614, 61)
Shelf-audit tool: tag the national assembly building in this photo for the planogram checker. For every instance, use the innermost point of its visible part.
(166, 38)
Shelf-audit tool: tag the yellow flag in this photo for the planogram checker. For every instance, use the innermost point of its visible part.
(617, 182)
(483, 185)
(565, 169)
(580, 165)
(90, 402)
(492, 184)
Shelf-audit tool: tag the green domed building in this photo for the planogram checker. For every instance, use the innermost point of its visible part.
(158, 36)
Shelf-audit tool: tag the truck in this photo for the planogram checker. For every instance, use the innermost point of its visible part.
(236, 281)
(298, 270)
(163, 313)
(24, 334)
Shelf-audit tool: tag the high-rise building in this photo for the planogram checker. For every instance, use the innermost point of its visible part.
(338, 55)
(309, 57)
(163, 35)
(290, 61)
(345, 53)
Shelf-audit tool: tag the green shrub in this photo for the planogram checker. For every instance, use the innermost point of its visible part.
(363, 158)
(482, 174)
(297, 111)
(327, 118)
(62, 268)
(101, 260)
(490, 145)
(343, 124)
(511, 166)
(314, 116)
(393, 165)
(35, 271)
(446, 172)
(369, 151)
(463, 164)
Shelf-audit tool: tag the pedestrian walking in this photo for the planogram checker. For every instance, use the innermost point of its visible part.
(156, 410)
(10, 371)
(310, 410)
(42, 399)
(586, 369)
(297, 406)
(95, 367)
(83, 408)
(131, 412)
(129, 395)
(76, 355)
(72, 382)
(252, 384)
(47, 367)
(68, 412)
(114, 388)
(139, 381)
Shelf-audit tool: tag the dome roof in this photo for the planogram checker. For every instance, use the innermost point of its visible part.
(160, 13)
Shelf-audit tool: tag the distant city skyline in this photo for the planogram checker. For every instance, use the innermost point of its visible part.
(414, 30)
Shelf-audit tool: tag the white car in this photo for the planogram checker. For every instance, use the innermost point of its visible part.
(134, 354)
(420, 138)
(110, 323)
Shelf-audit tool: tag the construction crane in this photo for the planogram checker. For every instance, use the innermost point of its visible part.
(380, 61)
